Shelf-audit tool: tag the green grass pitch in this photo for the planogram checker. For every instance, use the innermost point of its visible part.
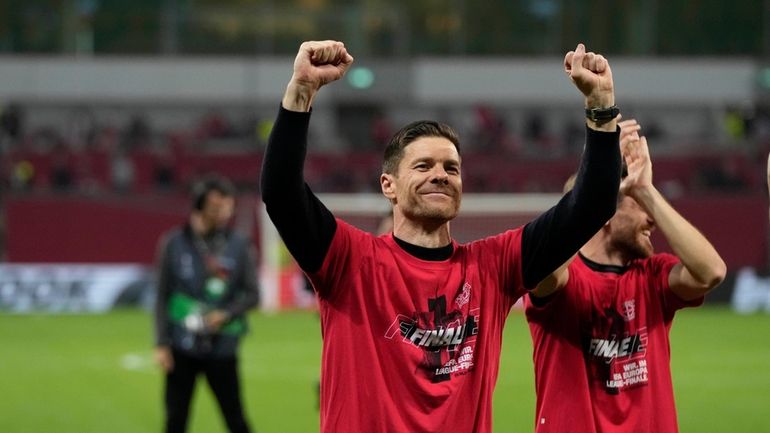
(94, 374)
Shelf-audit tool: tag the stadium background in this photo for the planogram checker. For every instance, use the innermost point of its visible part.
(110, 109)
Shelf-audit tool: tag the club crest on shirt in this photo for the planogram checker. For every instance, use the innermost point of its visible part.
(629, 310)
(464, 296)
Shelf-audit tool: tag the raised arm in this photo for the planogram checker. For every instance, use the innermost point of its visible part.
(558, 278)
(304, 223)
(701, 267)
(555, 236)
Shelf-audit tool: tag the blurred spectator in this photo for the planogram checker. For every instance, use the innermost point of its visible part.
(534, 129)
(751, 292)
(382, 130)
(761, 128)
(490, 133)
(214, 125)
(536, 135)
(61, 176)
(264, 127)
(573, 136)
(653, 131)
(81, 128)
(164, 175)
(106, 139)
(11, 126)
(22, 175)
(44, 139)
(122, 172)
(737, 123)
(138, 133)
(724, 176)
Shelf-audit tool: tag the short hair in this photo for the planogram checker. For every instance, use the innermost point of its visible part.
(394, 151)
(207, 184)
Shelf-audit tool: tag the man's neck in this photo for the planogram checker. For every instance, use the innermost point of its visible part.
(430, 235)
(599, 250)
(200, 226)
(429, 254)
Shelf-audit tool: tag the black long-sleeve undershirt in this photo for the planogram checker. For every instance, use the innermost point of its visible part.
(307, 226)
(304, 223)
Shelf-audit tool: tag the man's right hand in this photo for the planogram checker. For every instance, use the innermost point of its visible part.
(164, 358)
(591, 74)
(317, 63)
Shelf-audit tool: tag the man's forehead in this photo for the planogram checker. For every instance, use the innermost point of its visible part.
(629, 202)
(219, 194)
(431, 147)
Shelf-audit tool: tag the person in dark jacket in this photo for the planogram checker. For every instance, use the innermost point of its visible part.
(206, 283)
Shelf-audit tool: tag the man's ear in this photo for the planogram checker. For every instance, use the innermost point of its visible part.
(388, 185)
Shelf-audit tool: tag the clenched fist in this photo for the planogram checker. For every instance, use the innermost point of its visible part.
(591, 74)
(317, 64)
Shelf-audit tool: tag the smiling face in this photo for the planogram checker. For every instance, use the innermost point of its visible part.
(630, 230)
(426, 185)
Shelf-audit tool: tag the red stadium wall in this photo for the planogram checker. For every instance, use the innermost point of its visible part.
(76, 230)
(736, 226)
(81, 230)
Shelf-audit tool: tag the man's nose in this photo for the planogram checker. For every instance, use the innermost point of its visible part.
(649, 220)
(440, 176)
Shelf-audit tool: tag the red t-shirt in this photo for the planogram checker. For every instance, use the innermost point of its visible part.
(601, 350)
(411, 345)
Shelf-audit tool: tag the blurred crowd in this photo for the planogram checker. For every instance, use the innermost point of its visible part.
(93, 150)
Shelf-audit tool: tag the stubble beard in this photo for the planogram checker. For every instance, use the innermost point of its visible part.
(419, 210)
(634, 246)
